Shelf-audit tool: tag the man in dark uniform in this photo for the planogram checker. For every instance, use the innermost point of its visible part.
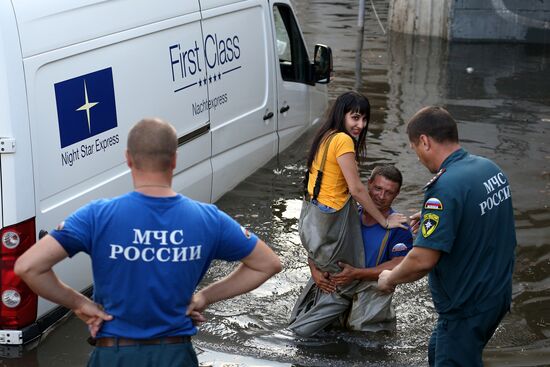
(466, 242)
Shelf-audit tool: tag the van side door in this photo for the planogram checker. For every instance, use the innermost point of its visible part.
(241, 99)
(86, 89)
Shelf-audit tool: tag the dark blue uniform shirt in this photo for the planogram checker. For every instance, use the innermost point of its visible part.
(468, 216)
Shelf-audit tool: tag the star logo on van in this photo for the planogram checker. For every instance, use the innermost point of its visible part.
(92, 93)
(87, 106)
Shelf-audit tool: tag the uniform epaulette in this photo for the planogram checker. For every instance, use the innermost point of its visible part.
(441, 171)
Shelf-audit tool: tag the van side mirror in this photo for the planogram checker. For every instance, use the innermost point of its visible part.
(322, 64)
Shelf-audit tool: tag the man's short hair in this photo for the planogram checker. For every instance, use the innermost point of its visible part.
(152, 143)
(388, 171)
(435, 122)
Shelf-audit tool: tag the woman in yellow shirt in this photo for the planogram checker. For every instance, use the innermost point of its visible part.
(347, 120)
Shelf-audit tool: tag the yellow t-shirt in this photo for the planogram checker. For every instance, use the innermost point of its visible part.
(334, 189)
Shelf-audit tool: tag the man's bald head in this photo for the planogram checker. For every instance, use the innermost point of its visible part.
(152, 144)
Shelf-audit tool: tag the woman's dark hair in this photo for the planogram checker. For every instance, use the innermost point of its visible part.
(334, 120)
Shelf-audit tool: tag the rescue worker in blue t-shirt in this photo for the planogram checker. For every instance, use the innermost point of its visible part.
(372, 310)
(384, 248)
(466, 242)
(149, 249)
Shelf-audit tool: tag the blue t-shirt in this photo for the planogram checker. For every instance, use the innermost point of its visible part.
(148, 256)
(468, 216)
(399, 243)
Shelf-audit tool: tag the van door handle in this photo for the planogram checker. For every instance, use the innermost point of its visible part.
(268, 115)
(284, 109)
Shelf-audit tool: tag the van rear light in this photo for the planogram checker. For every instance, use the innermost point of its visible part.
(10, 239)
(11, 298)
(19, 304)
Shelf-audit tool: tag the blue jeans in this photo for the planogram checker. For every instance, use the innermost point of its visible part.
(324, 208)
(158, 355)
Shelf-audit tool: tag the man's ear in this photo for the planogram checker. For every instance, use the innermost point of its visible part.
(174, 161)
(425, 142)
(128, 159)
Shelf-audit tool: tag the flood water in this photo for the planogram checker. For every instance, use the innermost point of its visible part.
(502, 105)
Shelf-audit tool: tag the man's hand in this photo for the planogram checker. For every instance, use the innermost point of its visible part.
(323, 281)
(260, 265)
(384, 284)
(35, 268)
(92, 314)
(196, 307)
(414, 222)
(346, 276)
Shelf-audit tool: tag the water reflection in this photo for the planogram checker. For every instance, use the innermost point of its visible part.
(417, 74)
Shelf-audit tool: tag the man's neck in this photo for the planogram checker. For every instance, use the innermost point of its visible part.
(155, 190)
(444, 151)
(153, 185)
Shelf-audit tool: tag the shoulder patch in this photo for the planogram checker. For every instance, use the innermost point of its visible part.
(429, 224)
(399, 247)
(245, 232)
(434, 179)
(433, 204)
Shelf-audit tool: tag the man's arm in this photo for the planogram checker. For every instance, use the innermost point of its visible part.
(418, 262)
(35, 268)
(255, 269)
(350, 273)
(359, 192)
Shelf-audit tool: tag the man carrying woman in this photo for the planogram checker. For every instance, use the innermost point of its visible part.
(329, 225)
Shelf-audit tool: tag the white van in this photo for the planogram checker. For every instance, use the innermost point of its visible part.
(234, 77)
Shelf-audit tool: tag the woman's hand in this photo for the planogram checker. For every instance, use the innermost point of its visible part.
(396, 220)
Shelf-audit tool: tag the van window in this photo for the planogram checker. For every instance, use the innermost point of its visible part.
(291, 51)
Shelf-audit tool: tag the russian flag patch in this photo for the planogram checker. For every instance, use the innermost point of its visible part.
(433, 204)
